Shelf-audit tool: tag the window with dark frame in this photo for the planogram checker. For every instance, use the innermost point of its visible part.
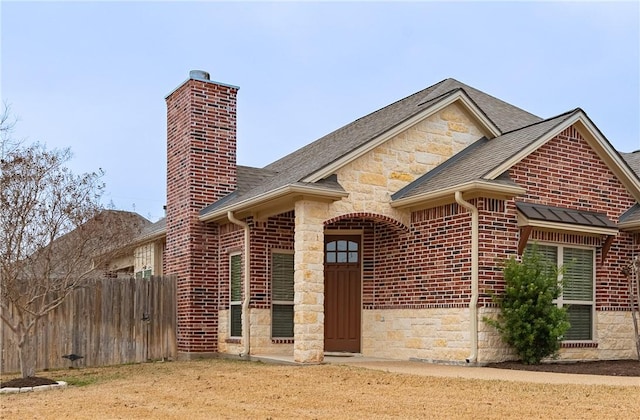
(282, 270)
(235, 295)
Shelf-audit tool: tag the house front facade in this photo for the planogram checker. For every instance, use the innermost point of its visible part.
(385, 237)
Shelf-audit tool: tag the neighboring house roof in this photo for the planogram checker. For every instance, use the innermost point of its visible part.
(100, 238)
(152, 231)
(562, 215)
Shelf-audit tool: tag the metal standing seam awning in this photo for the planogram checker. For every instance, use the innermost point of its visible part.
(540, 216)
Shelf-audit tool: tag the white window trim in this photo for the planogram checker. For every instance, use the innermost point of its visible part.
(233, 302)
(561, 301)
(278, 302)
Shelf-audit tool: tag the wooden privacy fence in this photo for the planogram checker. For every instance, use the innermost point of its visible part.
(108, 322)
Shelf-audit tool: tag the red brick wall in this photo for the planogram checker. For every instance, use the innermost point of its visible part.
(498, 240)
(275, 233)
(231, 241)
(201, 168)
(430, 266)
(440, 264)
(566, 172)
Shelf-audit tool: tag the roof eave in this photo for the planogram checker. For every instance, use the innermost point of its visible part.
(633, 226)
(477, 187)
(490, 129)
(150, 238)
(278, 198)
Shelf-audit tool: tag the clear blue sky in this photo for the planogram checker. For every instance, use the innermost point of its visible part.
(93, 76)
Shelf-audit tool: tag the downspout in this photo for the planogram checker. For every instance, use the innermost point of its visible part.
(246, 324)
(473, 304)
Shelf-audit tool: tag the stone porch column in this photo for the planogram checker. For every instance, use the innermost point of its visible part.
(308, 317)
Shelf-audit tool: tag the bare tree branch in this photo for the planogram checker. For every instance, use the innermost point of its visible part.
(53, 228)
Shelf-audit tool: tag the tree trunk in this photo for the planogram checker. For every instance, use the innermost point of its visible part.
(27, 354)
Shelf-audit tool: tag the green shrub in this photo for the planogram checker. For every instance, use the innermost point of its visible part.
(529, 321)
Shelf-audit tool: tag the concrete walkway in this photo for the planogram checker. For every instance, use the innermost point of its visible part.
(467, 372)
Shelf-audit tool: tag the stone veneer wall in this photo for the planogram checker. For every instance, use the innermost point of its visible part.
(309, 281)
(614, 340)
(372, 178)
(435, 334)
(261, 342)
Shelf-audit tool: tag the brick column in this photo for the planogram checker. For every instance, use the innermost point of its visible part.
(309, 281)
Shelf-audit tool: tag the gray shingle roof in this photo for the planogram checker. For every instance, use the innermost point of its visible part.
(633, 160)
(296, 166)
(152, 230)
(479, 158)
(632, 215)
(563, 215)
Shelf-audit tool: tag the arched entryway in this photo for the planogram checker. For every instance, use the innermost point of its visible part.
(349, 261)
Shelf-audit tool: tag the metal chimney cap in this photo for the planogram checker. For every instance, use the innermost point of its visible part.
(199, 75)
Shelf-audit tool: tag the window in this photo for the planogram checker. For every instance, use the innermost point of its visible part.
(578, 291)
(281, 295)
(144, 274)
(341, 251)
(235, 295)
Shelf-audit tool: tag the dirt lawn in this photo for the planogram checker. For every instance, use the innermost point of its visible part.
(234, 389)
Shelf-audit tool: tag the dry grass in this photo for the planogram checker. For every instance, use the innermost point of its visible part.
(233, 389)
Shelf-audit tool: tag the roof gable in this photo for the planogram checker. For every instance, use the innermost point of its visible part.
(491, 158)
(326, 150)
(318, 160)
(475, 161)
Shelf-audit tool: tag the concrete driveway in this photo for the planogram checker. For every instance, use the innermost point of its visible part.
(486, 373)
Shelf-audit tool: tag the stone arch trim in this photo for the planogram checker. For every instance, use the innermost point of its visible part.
(395, 224)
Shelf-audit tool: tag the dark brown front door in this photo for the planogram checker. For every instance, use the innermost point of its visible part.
(342, 296)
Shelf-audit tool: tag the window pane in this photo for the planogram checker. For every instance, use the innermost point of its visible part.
(282, 321)
(236, 278)
(353, 246)
(547, 253)
(331, 257)
(353, 257)
(342, 257)
(342, 245)
(331, 246)
(282, 277)
(236, 321)
(578, 275)
(580, 320)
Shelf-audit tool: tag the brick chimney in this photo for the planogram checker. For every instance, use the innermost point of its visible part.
(201, 168)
